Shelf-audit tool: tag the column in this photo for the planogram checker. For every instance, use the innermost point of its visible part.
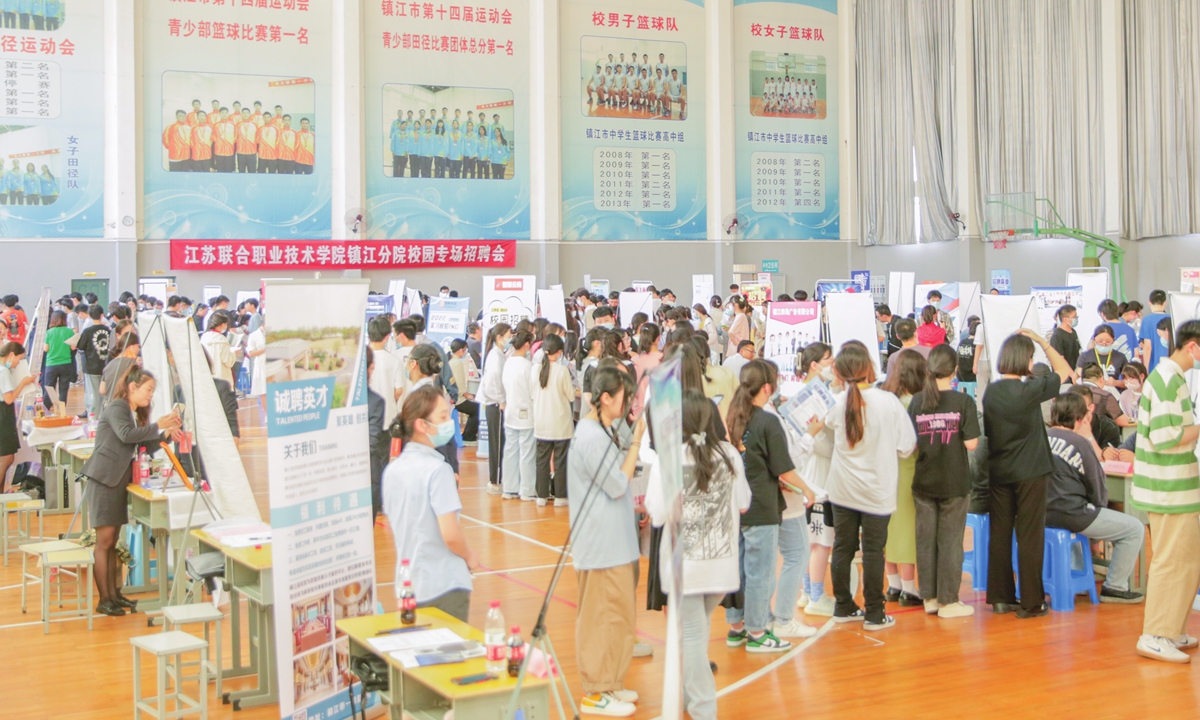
(122, 185)
(346, 125)
(722, 192)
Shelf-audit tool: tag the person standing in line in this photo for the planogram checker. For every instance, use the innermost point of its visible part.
(268, 146)
(492, 390)
(305, 149)
(423, 366)
(247, 144)
(520, 449)
(256, 355)
(217, 345)
(467, 405)
(1166, 486)
(553, 402)
(907, 378)
(93, 343)
(1153, 346)
(224, 143)
(499, 153)
(1064, 339)
(817, 360)
(60, 369)
(287, 147)
(1019, 462)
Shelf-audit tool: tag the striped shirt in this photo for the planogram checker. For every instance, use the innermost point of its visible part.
(1166, 477)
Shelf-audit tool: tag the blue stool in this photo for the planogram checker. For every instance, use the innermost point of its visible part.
(144, 569)
(458, 441)
(1060, 580)
(975, 561)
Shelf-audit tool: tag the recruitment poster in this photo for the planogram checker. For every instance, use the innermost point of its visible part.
(447, 320)
(790, 327)
(319, 473)
(235, 125)
(52, 147)
(1050, 299)
(508, 299)
(633, 120)
(785, 85)
(447, 119)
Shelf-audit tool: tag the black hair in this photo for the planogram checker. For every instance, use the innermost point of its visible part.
(494, 334)
(1108, 309)
(95, 312)
(1064, 310)
(942, 364)
(428, 360)
(405, 327)
(602, 311)
(378, 329)
(552, 344)
(521, 338)
(707, 453)
(883, 309)
(1165, 324)
(457, 344)
(1188, 332)
(1158, 297)
(607, 380)
(1104, 330)
(1015, 354)
(1068, 409)
(647, 337)
(905, 329)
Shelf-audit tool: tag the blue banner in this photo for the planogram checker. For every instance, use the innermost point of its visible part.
(446, 319)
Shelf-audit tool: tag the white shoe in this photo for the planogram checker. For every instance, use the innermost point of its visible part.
(1161, 648)
(888, 621)
(606, 704)
(822, 608)
(493, 489)
(529, 498)
(932, 607)
(509, 496)
(541, 502)
(1186, 642)
(629, 696)
(641, 649)
(794, 629)
(803, 600)
(955, 610)
(561, 502)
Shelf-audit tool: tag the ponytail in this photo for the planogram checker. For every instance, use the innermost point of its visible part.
(493, 335)
(550, 345)
(755, 374)
(705, 445)
(943, 363)
(854, 366)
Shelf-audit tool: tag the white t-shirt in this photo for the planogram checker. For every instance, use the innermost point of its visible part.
(865, 477)
(735, 363)
(387, 378)
(7, 383)
(258, 367)
(518, 393)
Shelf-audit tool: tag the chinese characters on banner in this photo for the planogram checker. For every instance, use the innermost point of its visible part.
(236, 124)
(447, 119)
(52, 150)
(633, 120)
(790, 326)
(319, 474)
(508, 299)
(785, 100)
(313, 255)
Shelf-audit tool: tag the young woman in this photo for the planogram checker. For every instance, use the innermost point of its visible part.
(454, 154)
(1134, 375)
(760, 438)
(706, 324)
(520, 449)
(647, 358)
(49, 186)
(1019, 462)
(422, 505)
(124, 425)
(553, 400)
(499, 155)
(740, 326)
(587, 358)
(10, 390)
(60, 362)
(127, 348)
(492, 390)
(32, 185)
(715, 495)
(817, 362)
(1103, 354)
(907, 378)
(470, 150)
(441, 149)
(870, 431)
(947, 426)
(423, 366)
(483, 168)
(930, 333)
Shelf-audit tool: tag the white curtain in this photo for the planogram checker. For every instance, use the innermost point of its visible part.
(905, 64)
(1162, 80)
(1038, 104)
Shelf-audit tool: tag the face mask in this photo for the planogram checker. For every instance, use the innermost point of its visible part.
(1133, 385)
(937, 304)
(8, 364)
(504, 344)
(827, 374)
(1074, 322)
(445, 431)
(1104, 349)
(445, 294)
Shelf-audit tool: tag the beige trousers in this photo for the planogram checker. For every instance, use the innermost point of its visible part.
(604, 627)
(1174, 573)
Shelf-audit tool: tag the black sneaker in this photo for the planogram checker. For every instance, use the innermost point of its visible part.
(892, 594)
(857, 616)
(907, 599)
(108, 608)
(1124, 597)
(1002, 608)
(1040, 611)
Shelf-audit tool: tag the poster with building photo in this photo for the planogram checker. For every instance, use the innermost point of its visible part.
(790, 327)
(786, 117)
(236, 131)
(51, 124)
(447, 120)
(633, 120)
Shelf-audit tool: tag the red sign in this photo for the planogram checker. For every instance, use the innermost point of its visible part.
(510, 283)
(349, 255)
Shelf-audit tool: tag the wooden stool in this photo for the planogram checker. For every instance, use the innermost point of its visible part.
(164, 646)
(205, 613)
(7, 499)
(55, 557)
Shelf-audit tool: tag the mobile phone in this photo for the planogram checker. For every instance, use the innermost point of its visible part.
(472, 679)
(178, 409)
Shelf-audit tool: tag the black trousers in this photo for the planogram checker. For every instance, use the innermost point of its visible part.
(175, 166)
(846, 525)
(1019, 507)
(399, 162)
(247, 162)
(495, 423)
(470, 408)
(548, 485)
(224, 163)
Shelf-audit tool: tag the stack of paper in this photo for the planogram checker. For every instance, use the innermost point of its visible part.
(812, 403)
(406, 646)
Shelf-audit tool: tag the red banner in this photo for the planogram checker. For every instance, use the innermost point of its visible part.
(349, 255)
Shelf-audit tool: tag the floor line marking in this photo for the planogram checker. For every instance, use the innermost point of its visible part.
(780, 661)
(39, 622)
(506, 531)
(517, 522)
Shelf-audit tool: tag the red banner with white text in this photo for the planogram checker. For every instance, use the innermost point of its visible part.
(349, 255)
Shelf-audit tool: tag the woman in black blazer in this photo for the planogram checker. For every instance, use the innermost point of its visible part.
(124, 425)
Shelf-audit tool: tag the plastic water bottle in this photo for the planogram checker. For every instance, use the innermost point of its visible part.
(405, 572)
(516, 651)
(493, 637)
(143, 467)
(408, 604)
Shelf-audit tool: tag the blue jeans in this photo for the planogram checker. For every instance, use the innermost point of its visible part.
(699, 687)
(1126, 534)
(91, 390)
(757, 549)
(793, 546)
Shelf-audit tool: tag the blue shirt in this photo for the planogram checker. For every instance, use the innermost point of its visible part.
(470, 146)
(425, 144)
(26, 6)
(1125, 339)
(11, 6)
(38, 7)
(399, 140)
(32, 185)
(607, 533)
(1158, 347)
(419, 486)
(53, 7)
(441, 145)
(12, 181)
(499, 153)
(456, 143)
(49, 187)
(485, 149)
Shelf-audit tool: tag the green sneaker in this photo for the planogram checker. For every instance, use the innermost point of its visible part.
(737, 638)
(767, 643)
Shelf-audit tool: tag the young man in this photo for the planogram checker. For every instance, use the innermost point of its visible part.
(257, 116)
(595, 87)
(177, 139)
(662, 66)
(93, 343)
(287, 147)
(906, 333)
(388, 378)
(1153, 347)
(1125, 340)
(475, 343)
(268, 142)
(745, 353)
(202, 144)
(193, 118)
(1065, 340)
(676, 94)
(883, 315)
(224, 143)
(1166, 486)
(935, 299)
(247, 143)
(306, 148)
(398, 141)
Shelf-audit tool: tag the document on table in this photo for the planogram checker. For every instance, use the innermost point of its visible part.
(812, 403)
(414, 640)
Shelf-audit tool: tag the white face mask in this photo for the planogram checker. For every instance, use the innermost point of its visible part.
(827, 373)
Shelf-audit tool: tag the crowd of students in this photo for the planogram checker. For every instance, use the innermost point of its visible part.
(240, 140)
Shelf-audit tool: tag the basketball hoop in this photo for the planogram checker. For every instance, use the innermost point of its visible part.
(1000, 238)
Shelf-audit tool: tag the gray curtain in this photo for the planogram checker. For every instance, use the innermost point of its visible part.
(905, 72)
(1162, 80)
(1038, 104)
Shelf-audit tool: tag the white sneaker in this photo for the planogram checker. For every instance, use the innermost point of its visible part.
(888, 621)
(629, 696)
(1161, 648)
(932, 607)
(541, 502)
(493, 489)
(794, 629)
(509, 496)
(607, 705)
(641, 649)
(561, 502)
(822, 608)
(956, 610)
(803, 600)
(529, 498)
(1186, 642)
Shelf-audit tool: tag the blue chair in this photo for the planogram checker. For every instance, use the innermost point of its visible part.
(458, 440)
(975, 561)
(144, 569)
(1060, 580)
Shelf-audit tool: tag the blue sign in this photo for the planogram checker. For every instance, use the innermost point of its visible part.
(299, 406)
(1002, 281)
(861, 278)
(770, 266)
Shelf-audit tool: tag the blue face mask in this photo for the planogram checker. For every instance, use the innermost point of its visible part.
(445, 431)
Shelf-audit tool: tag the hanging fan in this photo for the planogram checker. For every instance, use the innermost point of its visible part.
(359, 222)
(734, 225)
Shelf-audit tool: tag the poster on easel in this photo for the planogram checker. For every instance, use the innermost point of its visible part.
(1050, 299)
(508, 299)
(1004, 315)
(790, 327)
(851, 316)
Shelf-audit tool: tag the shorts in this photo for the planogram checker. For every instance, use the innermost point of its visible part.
(820, 532)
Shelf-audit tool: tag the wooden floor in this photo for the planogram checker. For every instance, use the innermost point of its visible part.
(1079, 664)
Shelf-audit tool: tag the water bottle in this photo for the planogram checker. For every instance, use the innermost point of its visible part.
(143, 467)
(516, 651)
(408, 604)
(405, 572)
(493, 637)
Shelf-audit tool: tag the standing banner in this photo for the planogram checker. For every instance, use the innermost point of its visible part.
(790, 326)
(632, 303)
(447, 320)
(900, 292)
(1001, 282)
(756, 293)
(508, 299)
(319, 471)
(1004, 315)
(633, 121)
(209, 174)
(1094, 282)
(380, 305)
(702, 290)
(598, 287)
(785, 84)
(52, 147)
(447, 120)
(552, 306)
(851, 316)
(1050, 299)
(968, 305)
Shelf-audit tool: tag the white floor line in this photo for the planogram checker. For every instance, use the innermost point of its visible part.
(785, 658)
(506, 531)
(39, 622)
(516, 570)
(518, 522)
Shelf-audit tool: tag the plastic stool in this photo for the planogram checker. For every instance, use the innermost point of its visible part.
(144, 570)
(975, 560)
(163, 646)
(204, 613)
(1060, 580)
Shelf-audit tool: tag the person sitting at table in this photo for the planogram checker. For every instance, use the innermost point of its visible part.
(10, 389)
(124, 425)
(1104, 431)
(1077, 497)
(1134, 375)
(1092, 377)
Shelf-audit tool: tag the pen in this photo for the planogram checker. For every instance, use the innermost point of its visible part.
(397, 631)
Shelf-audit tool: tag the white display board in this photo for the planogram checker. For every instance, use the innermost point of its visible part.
(1049, 300)
(1004, 315)
(702, 290)
(900, 292)
(508, 299)
(632, 303)
(208, 293)
(1095, 285)
(851, 316)
(552, 306)
(790, 327)
(968, 304)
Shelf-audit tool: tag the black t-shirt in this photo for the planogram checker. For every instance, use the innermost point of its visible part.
(1076, 491)
(93, 342)
(893, 342)
(766, 458)
(1066, 342)
(966, 360)
(1016, 433)
(943, 468)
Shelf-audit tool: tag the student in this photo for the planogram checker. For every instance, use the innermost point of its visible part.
(1165, 478)
(398, 139)
(1019, 465)
(499, 153)
(595, 86)
(520, 449)
(1131, 313)
(760, 437)
(947, 428)
(676, 93)
(1104, 354)
(944, 320)
(268, 146)
(256, 355)
(60, 367)
(224, 143)
(907, 378)
(967, 378)
(492, 389)
(422, 505)
(247, 144)
(423, 366)
(483, 168)
(1134, 375)
(553, 401)
(1108, 407)
(455, 153)
(10, 13)
(305, 149)
(906, 333)
(11, 354)
(602, 460)
(930, 334)
(16, 184)
(286, 164)
(1064, 339)
(217, 345)
(467, 406)
(93, 343)
(470, 150)
(123, 356)
(715, 495)
(817, 361)
(202, 144)
(1153, 345)
(1125, 339)
(870, 431)
(739, 327)
(440, 149)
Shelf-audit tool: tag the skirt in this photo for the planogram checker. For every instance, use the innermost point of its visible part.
(902, 528)
(10, 441)
(107, 506)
